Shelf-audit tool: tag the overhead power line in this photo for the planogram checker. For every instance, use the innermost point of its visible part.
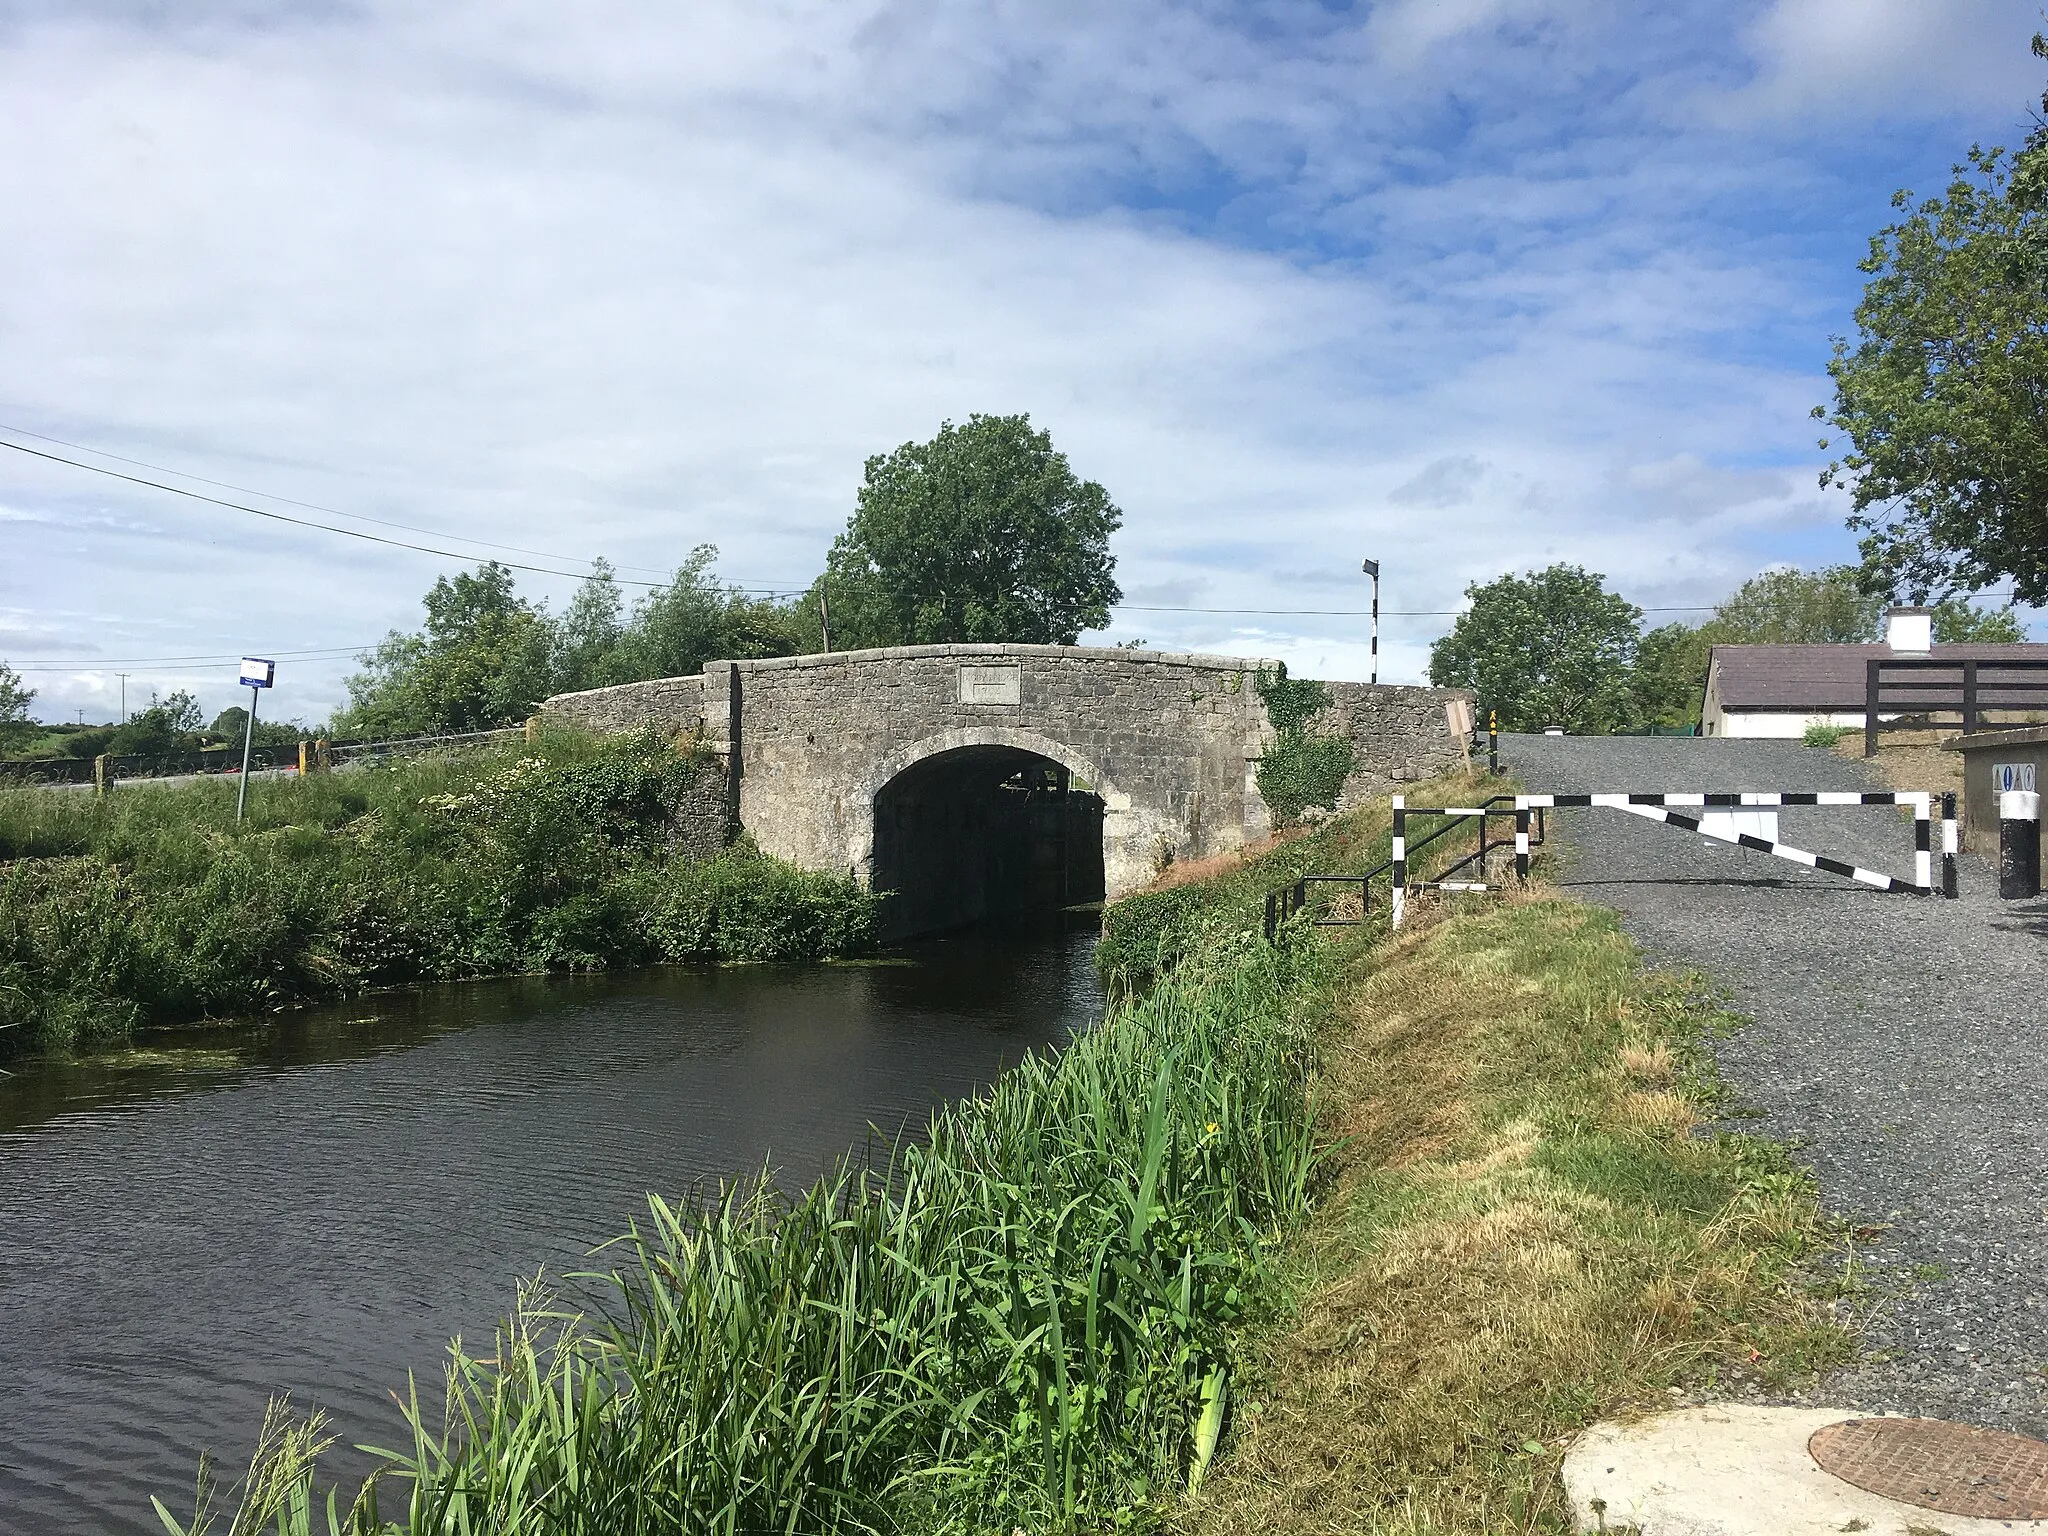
(352, 533)
(1360, 613)
(325, 653)
(309, 506)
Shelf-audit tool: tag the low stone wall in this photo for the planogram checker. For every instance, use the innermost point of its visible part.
(1398, 734)
(669, 701)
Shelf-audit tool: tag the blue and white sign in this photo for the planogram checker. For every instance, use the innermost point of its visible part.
(2006, 777)
(258, 673)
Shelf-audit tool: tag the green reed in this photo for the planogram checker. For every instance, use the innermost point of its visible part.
(1023, 1319)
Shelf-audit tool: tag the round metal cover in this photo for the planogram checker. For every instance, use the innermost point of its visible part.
(1957, 1469)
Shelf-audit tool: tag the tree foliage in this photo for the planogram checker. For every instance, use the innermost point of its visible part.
(15, 724)
(985, 533)
(1553, 647)
(1943, 393)
(1791, 607)
(1960, 622)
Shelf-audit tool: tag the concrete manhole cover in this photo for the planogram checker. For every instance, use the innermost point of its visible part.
(1957, 1469)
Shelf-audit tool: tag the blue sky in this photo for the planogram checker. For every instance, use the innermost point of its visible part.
(1466, 285)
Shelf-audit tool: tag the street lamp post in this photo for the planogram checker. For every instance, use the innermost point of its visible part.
(1372, 569)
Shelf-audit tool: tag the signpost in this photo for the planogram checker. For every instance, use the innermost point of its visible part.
(257, 675)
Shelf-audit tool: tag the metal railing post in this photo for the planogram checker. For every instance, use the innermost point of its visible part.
(1969, 697)
(1272, 915)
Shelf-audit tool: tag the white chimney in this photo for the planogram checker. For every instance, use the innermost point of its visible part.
(1910, 629)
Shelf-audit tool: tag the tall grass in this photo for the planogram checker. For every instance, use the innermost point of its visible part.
(1024, 1319)
(154, 906)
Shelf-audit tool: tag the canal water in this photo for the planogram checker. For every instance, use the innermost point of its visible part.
(317, 1206)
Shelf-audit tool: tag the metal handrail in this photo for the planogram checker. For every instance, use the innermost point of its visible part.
(1283, 902)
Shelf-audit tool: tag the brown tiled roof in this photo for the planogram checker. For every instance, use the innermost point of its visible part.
(1826, 677)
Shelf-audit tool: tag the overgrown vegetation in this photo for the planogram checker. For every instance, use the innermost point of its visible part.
(1826, 736)
(1026, 1320)
(1302, 768)
(1535, 1223)
(152, 906)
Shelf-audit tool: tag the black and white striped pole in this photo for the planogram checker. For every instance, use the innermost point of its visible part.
(1948, 844)
(1372, 569)
(1398, 856)
(2019, 844)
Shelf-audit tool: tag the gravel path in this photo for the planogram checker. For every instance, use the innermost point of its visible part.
(1898, 1045)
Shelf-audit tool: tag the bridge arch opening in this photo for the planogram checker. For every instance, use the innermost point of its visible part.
(984, 830)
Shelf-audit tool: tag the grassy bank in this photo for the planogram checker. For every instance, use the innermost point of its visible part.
(1534, 1222)
(153, 906)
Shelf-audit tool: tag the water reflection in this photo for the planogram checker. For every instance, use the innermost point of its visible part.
(317, 1205)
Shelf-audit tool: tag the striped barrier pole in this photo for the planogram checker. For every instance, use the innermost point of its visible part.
(1657, 807)
(1948, 844)
(1399, 854)
(1521, 840)
(1923, 843)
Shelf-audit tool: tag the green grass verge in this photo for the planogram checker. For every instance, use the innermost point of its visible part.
(153, 906)
(1536, 1223)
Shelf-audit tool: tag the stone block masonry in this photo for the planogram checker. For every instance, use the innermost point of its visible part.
(1169, 742)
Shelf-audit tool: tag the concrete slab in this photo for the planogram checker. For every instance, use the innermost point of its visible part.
(1728, 1469)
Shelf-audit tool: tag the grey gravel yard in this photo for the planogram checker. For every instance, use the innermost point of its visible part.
(1900, 1045)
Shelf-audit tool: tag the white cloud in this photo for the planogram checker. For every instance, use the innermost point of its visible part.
(1890, 58)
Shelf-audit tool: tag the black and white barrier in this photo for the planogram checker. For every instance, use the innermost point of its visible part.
(1717, 821)
(2019, 844)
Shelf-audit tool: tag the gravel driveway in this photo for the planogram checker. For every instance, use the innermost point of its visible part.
(1898, 1045)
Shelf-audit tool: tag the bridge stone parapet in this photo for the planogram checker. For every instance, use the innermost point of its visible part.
(858, 760)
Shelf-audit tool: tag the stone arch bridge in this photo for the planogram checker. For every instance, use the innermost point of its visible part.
(979, 779)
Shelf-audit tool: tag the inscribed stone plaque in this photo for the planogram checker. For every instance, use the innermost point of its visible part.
(991, 685)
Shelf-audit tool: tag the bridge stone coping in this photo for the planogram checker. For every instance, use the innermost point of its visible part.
(1170, 740)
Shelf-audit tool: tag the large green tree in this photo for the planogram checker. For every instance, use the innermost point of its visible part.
(985, 533)
(1943, 394)
(1792, 607)
(484, 659)
(1553, 647)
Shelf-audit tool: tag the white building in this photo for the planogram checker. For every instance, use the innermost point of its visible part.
(1780, 690)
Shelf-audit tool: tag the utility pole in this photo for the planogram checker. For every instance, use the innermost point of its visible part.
(1372, 569)
(825, 618)
(124, 698)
